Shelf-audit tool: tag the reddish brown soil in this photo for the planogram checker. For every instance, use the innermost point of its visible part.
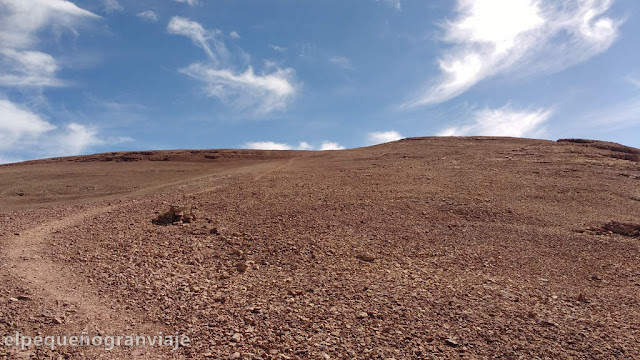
(417, 249)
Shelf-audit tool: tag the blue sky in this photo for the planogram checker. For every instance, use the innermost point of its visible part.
(87, 76)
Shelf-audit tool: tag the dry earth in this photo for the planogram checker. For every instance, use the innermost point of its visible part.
(424, 248)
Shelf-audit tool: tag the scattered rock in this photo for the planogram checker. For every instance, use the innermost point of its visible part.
(582, 298)
(624, 229)
(365, 257)
(235, 355)
(214, 231)
(176, 214)
(451, 342)
(57, 321)
(237, 337)
(362, 315)
(242, 267)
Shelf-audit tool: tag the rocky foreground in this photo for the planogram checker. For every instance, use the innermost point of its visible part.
(424, 248)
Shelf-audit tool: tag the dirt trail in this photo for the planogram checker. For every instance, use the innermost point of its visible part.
(92, 313)
(261, 175)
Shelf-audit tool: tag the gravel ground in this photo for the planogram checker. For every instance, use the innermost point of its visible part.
(424, 248)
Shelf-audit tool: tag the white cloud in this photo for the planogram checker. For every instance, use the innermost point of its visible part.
(200, 36)
(264, 93)
(341, 61)
(74, 140)
(303, 145)
(242, 88)
(20, 22)
(28, 68)
(234, 35)
(278, 48)
(383, 137)
(18, 125)
(395, 3)
(148, 15)
(330, 145)
(111, 6)
(23, 131)
(266, 145)
(503, 122)
(490, 37)
(190, 2)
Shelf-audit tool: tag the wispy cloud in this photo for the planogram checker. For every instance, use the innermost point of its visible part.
(490, 37)
(148, 15)
(28, 69)
(21, 64)
(205, 39)
(19, 125)
(278, 48)
(262, 92)
(302, 145)
(395, 3)
(189, 2)
(342, 62)
(379, 137)
(230, 81)
(23, 131)
(504, 121)
(234, 35)
(111, 6)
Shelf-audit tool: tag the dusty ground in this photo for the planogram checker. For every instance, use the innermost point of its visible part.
(422, 248)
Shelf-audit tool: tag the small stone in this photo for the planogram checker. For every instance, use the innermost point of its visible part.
(237, 337)
(451, 342)
(242, 267)
(236, 234)
(365, 257)
(237, 252)
(235, 355)
(12, 299)
(362, 315)
(56, 321)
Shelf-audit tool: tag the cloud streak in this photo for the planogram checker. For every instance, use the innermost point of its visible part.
(504, 121)
(492, 37)
(380, 137)
(148, 15)
(232, 83)
(394, 3)
(23, 131)
(21, 65)
(302, 145)
(188, 2)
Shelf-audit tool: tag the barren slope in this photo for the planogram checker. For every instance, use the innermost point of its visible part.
(417, 249)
